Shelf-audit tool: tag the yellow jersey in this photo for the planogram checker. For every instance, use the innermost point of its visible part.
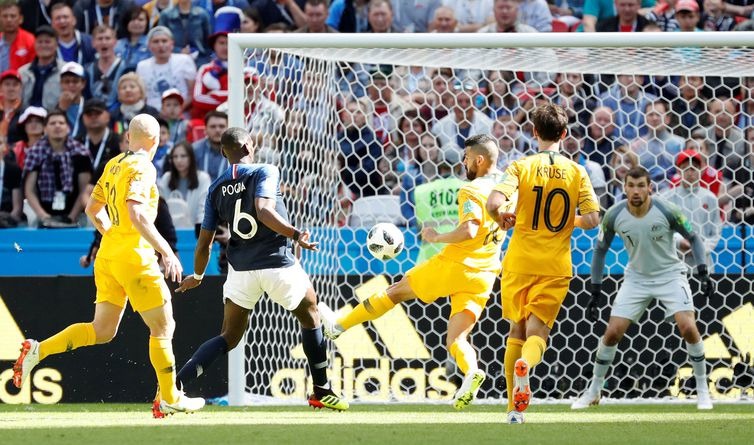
(483, 251)
(550, 189)
(128, 176)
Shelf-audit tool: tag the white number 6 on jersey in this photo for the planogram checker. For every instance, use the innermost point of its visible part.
(238, 215)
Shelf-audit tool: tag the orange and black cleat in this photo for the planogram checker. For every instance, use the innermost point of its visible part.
(521, 388)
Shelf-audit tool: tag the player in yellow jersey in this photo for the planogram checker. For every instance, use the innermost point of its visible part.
(465, 270)
(126, 268)
(537, 266)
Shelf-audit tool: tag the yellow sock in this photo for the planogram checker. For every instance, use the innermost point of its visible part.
(163, 362)
(369, 309)
(465, 356)
(70, 338)
(533, 350)
(512, 353)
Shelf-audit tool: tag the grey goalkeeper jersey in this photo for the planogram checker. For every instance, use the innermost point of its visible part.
(649, 241)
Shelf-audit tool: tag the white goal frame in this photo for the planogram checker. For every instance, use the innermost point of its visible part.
(239, 42)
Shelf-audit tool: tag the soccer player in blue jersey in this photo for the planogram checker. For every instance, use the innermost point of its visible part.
(261, 260)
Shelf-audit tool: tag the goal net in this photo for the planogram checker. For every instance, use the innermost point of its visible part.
(369, 129)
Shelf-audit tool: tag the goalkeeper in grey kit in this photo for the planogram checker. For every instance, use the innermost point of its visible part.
(646, 225)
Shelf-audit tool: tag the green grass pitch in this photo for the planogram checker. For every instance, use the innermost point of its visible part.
(389, 424)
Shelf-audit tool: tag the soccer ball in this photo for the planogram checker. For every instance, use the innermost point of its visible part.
(385, 241)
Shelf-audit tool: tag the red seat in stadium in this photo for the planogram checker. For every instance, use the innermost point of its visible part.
(559, 26)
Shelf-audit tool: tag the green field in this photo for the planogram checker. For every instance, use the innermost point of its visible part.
(378, 424)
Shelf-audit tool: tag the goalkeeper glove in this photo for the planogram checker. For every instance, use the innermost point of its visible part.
(706, 286)
(593, 308)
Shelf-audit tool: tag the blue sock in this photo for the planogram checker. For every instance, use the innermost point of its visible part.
(316, 354)
(207, 353)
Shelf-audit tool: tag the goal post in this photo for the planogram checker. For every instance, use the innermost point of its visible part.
(300, 109)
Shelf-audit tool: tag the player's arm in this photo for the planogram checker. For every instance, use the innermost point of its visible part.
(604, 239)
(95, 210)
(470, 215)
(271, 218)
(589, 205)
(681, 225)
(499, 196)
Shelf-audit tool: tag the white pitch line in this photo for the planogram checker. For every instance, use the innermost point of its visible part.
(114, 419)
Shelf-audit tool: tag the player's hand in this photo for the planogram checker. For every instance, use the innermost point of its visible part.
(429, 234)
(305, 242)
(595, 303)
(188, 283)
(84, 261)
(706, 286)
(172, 266)
(506, 220)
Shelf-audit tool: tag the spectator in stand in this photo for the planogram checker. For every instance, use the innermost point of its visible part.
(10, 101)
(742, 190)
(154, 8)
(727, 143)
(697, 203)
(101, 143)
(72, 85)
(464, 119)
(383, 106)
(73, 45)
(209, 156)
(57, 171)
(183, 181)
(746, 97)
(664, 15)
(691, 105)
(381, 16)
(740, 8)
(569, 11)
(315, 12)
(166, 69)
(104, 73)
(574, 95)
(37, 13)
(191, 27)
(687, 15)
(406, 140)
(212, 6)
(510, 146)
(505, 13)
(572, 149)
(658, 149)
(211, 85)
(413, 158)
(348, 15)
(715, 18)
(711, 178)
(132, 47)
(596, 10)
(11, 195)
(132, 100)
(501, 99)
(602, 139)
(414, 15)
(471, 14)
(536, 14)
(627, 19)
(444, 20)
(32, 120)
(161, 160)
(622, 159)
(627, 100)
(172, 113)
(93, 13)
(16, 44)
(290, 12)
(361, 152)
(251, 21)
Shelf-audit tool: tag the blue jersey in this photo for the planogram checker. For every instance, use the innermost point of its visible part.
(252, 245)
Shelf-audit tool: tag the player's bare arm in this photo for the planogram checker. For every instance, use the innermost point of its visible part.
(588, 221)
(138, 212)
(97, 214)
(272, 219)
(496, 204)
(463, 232)
(201, 259)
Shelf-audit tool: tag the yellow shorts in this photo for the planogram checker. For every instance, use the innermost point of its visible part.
(540, 295)
(469, 289)
(141, 284)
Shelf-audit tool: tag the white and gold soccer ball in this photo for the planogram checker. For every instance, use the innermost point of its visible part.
(385, 241)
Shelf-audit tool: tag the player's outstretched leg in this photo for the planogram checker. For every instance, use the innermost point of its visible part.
(315, 349)
(27, 360)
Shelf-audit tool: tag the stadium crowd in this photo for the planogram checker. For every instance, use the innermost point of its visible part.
(73, 74)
